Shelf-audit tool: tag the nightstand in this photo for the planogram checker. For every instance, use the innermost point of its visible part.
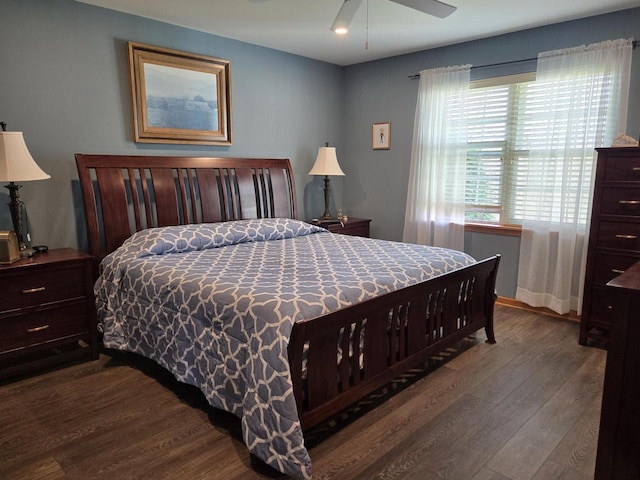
(353, 226)
(46, 308)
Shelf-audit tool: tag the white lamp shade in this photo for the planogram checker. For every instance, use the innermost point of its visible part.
(16, 163)
(326, 163)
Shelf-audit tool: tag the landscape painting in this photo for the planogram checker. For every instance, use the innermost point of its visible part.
(179, 97)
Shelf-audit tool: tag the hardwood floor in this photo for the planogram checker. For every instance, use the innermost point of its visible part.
(525, 408)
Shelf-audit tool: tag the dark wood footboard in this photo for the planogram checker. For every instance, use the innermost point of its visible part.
(385, 337)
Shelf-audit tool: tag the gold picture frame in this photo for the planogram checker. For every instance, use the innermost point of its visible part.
(381, 136)
(179, 97)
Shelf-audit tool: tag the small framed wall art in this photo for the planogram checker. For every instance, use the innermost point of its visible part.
(179, 97)
(381, 136)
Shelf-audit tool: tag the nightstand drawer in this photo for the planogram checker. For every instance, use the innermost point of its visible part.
(28, 289)
(360, 230)
(353, 226)
(43, 326)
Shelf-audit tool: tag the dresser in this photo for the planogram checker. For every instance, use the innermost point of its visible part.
(618, 454)
(353, 226)
(46, 309)
(614, 238)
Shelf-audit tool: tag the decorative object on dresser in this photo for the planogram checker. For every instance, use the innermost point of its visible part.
(618, 454)
(326, 164)
(17, 165)
(352, 226)
(9, 247)
(614, 237)
(46, 308)
(327, 356)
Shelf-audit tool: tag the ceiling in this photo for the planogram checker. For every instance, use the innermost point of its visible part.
(301, 27)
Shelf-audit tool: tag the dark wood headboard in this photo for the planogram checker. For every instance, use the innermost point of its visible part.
(125, 194)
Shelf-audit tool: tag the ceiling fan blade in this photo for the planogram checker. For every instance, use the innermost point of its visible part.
(346, 14)
(432, 7)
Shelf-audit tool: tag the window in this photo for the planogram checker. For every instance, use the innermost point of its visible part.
(504, 126)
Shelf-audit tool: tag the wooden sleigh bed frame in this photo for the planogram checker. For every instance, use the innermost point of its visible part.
(125, 194)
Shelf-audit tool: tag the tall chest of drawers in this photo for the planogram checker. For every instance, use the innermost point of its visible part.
(614, 238)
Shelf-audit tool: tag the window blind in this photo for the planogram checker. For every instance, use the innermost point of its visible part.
(508, 173)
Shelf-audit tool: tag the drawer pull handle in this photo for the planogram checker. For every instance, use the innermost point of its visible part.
(629, 202)
(636, 170)
(34, 290)
(609, 307)
(627, 237)
(37, 329)
(615, 270)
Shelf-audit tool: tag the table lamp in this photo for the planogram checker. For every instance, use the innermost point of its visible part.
(326, 164)
(17, 165)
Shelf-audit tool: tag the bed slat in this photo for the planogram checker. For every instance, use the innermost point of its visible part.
(113, 196)
(209, 195)
(165, 197)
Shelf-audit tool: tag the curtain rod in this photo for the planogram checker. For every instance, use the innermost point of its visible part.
(512, 62)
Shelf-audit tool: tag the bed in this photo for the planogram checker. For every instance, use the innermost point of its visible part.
(276, 349)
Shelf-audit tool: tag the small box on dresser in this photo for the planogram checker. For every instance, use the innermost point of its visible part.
(614, 237)
(46, 304)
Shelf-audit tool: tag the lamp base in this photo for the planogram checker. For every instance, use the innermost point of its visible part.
(16, 206)
(327, 189)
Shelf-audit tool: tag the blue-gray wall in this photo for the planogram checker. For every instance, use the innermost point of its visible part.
(64, 83)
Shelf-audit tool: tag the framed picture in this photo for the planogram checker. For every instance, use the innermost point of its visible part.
(179, 97)
(381, 136)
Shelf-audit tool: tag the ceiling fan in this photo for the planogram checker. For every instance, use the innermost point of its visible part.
(349, 8)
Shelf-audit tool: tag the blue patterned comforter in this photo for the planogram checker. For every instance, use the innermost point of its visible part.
(215, 305)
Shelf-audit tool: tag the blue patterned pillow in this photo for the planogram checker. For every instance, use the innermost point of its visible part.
(188, 238)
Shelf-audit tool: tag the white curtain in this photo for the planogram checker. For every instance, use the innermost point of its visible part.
(585, 94)
(435, 194)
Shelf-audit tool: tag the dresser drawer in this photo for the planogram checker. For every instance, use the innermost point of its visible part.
(607, 267)
(601, 306)
(19, 331)
(41, 286)
(620, 201)
(619, 236)
(622, 169)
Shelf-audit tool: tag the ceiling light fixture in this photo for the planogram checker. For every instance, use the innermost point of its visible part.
(349, 7)
(348, 10)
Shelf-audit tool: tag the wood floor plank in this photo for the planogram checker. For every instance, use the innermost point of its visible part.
(487, 474)
(45, 469)
(555, 471)
(124, 417)
(524, 453)
(489, 433)
(577, 450)
(402, 460)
